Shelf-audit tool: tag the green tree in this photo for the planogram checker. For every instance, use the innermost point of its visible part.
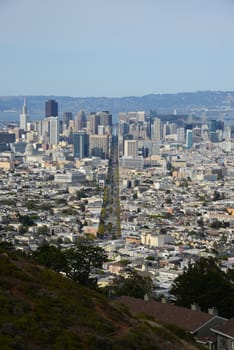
(205, 284)
(109, 227)
(133, 285)
(230, 274)
(101, 229)
(51, 257)
(26, 220)
(43, 230)
(82, 261)
(6, 247)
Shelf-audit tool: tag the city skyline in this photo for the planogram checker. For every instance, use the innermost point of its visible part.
(115, 48)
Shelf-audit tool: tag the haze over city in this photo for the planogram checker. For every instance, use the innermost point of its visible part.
(115, 48)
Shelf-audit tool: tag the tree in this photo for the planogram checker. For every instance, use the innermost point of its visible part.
(25, 220)
(101, 229)
(216, 196)
(82, 261)
(109, 227)
(43, 230)
(205, 284)
(51, 257)
(133, 285)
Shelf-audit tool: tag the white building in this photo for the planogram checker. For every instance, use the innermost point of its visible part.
(156, 240)
(24, 117)
(131, 148)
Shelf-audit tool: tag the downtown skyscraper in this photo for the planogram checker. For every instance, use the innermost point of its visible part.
(51, 108)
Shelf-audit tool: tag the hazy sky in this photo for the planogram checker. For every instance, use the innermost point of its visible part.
(115, 47)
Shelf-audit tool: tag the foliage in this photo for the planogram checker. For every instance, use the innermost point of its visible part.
(101, 229)
(77, 263)
(68, 211)
(133, 285)
(82, 261)
(45, 206)
(31, 205)
(230, 274)
(60, 201)
(50, 256)
(109, 226)
(6, 246)
(26, 220)
(81, 194)
(43, 310)
(216, 224)
(205, 284)
(43, 230)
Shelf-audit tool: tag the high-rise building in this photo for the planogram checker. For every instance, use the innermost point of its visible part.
(54, 130)
(81, 144)
(216, 125)
(123, 128)
(140, 116)
(67, 116)
(131, 148)
(94, 120)
(105, 118)
(80, 121)
(24, 117)
(50, 130)
(99, 145)
(189, 138)
(51, 108)
(156, 133)
(180, 135)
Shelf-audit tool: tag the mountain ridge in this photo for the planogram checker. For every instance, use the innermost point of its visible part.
(161, 103)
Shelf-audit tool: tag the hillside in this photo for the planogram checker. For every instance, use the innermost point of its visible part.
(162, 103)
(40, 309)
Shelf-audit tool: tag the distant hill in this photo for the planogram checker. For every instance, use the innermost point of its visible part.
(42, 310)
(162, 103)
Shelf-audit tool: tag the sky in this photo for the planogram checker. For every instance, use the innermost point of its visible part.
(115, 48)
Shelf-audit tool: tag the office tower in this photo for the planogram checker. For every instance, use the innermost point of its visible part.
(80, 121)
(155, 149)
(105, 118)
(50, 130)
(172, 128)
(214, 136)
(6, 137)
(132, 116)
(189, 138)
(166, 129)
(215, 125)
(205, 132)
(140, 116)
(101, 129)
(180, 135)
(131, 148)
(99, 145)
(123, 128)
(227, 132)
(24, 117)
(81, 144)
(94, 121)
(156, 133)
(123, 117)
(67, 116)
(54, 131)
(51, 108)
